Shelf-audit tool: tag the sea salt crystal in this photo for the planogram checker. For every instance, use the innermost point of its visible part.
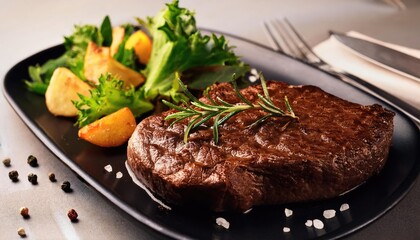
(308, 223)
(253, 78)
(108, 168)
(288, 212)
(286, 229)
(344, 207)
(222, 222)
(330, 213)
(254, 72)
(119, 175)
(247, 211)
(318, 224)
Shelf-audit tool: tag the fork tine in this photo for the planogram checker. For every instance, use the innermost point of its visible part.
(287, 38)
(303, 46)
(283, 39)
(279, 39)
(273, 38)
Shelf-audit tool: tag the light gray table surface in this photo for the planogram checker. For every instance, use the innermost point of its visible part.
(27, 27)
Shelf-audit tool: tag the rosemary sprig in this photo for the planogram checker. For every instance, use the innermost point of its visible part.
(199, 112)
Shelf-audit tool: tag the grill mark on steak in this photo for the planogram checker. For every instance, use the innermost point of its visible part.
(333, 147)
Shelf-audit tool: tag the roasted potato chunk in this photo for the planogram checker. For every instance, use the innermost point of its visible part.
(110, 131)
(98, 61)
(63, 88)
(117, 38)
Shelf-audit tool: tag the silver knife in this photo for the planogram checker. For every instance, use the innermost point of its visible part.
(386, 57)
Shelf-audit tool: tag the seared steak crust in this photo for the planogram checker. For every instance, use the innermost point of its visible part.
(334, 146)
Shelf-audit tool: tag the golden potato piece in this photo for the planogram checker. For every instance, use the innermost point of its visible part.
(110, 131)
(142, 45)
(63, 88)
(117, 38)
(129, 76)
(98, 61)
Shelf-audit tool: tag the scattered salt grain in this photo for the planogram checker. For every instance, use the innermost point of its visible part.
(222, 222)
(308, 223)
(286, 229)
(108, 168)
(330, 213)
(318, 224)
(247, 211)
(254, 72)
(344, 207)
(253, 78)
(288, 212)
(119, 175)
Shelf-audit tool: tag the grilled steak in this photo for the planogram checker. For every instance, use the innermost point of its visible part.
(334, 146)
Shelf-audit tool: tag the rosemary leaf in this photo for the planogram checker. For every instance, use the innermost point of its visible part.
(270, 110)
(266, 101)
(288, 106)
(206, 93)
(260, 120)
(171, 105)
(226, 117)
(205, 119)
(226, 104)
(243, 99)
(216, 129)
(178, 120)
(180, 115)
(205, 106)
(189, 127)
(265, 89)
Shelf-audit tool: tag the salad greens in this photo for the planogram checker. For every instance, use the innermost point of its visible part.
(73, 57)
(178, 49)
(179, 46)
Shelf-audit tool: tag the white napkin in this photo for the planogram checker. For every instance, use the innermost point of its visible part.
(336, 54)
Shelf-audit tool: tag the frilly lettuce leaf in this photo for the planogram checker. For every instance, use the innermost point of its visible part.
(109, 96)
(179, 46)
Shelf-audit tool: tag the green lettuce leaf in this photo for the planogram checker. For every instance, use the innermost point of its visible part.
(106, 32)
(178, 46)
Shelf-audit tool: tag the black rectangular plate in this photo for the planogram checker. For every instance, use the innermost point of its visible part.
(367, 202)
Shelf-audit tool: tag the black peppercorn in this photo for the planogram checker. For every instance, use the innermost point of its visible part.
(51, 176)
(6, 162)
(65, 186)
(33, 178)
(32, 161)
(14, 175)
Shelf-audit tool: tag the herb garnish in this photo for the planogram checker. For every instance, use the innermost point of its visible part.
(200, 112)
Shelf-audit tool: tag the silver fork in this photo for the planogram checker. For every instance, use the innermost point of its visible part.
(287, 40)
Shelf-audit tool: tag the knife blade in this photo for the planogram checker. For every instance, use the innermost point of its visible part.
(386, 57)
